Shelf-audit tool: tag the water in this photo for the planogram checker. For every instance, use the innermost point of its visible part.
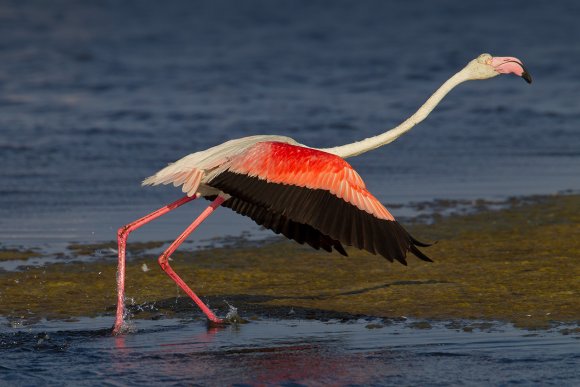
(288, 352)
(96, 96)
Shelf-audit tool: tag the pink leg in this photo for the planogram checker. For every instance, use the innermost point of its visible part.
(122, 235)
(164, 259)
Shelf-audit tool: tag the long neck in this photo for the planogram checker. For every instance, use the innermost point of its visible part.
(356, 148)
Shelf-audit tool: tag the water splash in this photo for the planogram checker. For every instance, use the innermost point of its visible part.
(127, 326)
(233, 317)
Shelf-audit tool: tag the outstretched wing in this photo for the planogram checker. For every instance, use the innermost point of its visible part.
(317, 189)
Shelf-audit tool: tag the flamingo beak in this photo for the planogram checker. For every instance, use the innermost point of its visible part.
(527, 77)
(510, 65)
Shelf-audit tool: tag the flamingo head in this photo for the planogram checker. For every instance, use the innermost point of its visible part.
(486, 66)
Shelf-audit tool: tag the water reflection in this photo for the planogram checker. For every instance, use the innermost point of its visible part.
(331, 353)
(208, 356)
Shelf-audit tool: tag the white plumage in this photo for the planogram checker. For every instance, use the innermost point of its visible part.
(193, 170)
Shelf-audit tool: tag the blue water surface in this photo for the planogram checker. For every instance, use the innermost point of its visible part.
(285, 353)
(97, 95)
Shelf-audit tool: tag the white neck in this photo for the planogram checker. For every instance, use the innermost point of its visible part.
(356, 148)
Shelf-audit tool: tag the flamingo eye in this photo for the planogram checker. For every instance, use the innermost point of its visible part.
(484, 58)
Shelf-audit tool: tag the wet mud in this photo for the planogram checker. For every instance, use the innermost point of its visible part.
(517, 265)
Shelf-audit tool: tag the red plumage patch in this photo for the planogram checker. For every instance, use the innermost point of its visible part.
(288, 164)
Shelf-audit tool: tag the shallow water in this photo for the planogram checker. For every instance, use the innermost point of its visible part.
(285, 352)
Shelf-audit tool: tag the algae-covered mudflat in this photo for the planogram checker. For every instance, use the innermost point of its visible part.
(518, 265)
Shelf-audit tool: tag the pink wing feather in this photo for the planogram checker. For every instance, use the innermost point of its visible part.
(281, 163)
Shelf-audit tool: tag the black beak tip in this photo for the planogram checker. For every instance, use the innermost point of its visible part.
(527, 77)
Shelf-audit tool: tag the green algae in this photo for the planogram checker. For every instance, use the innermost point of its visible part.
(17, 255)
(519, 265)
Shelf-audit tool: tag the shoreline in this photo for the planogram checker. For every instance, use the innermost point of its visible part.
(517, 265)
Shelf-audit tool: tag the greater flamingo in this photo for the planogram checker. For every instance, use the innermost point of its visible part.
(310, 195)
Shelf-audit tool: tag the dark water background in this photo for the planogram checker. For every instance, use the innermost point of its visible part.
(97, 95)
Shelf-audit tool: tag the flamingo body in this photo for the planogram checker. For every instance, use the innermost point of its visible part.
(295, 191)
(193, 171)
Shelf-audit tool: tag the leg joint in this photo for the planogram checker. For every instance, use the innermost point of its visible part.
(163, 260)
(122, 232)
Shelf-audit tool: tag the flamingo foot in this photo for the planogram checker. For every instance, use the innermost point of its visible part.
(216, 322)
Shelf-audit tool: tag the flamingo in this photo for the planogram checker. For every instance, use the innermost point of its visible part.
(309, 195)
